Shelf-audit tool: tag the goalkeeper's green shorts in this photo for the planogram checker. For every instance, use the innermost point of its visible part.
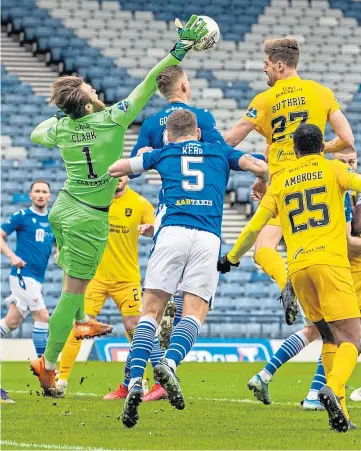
(81, 234)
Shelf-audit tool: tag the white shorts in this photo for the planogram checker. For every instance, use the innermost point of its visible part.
(26, 299)
(186, 260)
(306, 321)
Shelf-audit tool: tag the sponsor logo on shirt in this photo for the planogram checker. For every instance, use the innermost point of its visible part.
(123, 105)
(252, 113)
(297, 253)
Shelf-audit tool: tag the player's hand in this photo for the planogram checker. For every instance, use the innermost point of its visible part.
(224, 265)
(188, 36)
(146, 230)
(17, 261)
(259, 189)
(144, 150)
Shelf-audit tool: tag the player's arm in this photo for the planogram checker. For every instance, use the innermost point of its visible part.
(124, 113)
(356, 222)
(245, 240)
(342, 128)
(45, 133)
(239, 132)
(240, 161)
(135, 165)
(14, 259)
(147, 221)
(353, 242)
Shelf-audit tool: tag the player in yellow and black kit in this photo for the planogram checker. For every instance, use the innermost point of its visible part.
(276, 114)
(309, 196)
(118, 274)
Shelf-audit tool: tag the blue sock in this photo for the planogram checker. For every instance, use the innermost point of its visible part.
(290, 347)
(179, 303)
(319, 381)
(40, 337)
(182, 339)
(142, 345)
(157, 353)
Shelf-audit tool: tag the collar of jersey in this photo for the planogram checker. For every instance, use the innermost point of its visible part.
(37, 213)
(188, 141)
(285, 80)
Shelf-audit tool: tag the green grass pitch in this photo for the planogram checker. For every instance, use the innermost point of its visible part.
(220, 413)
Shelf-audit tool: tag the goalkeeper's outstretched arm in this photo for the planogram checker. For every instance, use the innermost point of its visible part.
(135, 102)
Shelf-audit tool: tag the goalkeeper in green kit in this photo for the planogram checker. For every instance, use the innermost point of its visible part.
(90, 137)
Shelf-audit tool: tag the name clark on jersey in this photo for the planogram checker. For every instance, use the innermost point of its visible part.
(304, 178)
(82, 137)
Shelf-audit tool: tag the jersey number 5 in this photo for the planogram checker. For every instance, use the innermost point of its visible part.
(188, 172)
(91, 173)
(311, 206)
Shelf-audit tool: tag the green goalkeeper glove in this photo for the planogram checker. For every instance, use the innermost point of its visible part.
(188, 36)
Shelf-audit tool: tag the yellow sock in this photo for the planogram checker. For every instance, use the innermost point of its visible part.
(68, 356)
(343, 365)
(328, 355)
(272, 264)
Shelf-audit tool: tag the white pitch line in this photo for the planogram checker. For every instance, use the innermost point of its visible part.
(233, 400)
(51, 446)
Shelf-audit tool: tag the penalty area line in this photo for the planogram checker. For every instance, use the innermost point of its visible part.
(50, 446)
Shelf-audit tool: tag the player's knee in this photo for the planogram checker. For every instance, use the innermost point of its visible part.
(42, 316)
(13, 322)
(311, 332)
(130, 323)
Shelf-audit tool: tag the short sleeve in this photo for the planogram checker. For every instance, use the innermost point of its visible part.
(15, 222)
(269, 202)
(333, 104)
(256, 112)
(346, 177)
(150, 159)
(233, 158)
(148, 212)
(348, 209)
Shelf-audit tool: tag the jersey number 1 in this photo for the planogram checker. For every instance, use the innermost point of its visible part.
(91, 173)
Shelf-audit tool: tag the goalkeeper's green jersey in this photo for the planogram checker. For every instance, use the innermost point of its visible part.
(91, 144)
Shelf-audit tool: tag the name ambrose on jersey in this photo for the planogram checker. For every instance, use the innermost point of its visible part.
(306, 176)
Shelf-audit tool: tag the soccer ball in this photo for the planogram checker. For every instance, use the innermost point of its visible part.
(211, 38)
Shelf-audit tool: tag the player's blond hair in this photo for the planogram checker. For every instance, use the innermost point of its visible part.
(167, 79)
(69, 97)
(181, 123)
(286, 50)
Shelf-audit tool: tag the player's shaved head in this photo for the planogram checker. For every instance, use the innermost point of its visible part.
(182, 123)
(75, 97)
(307, 140)
(171, 79)
(286, 50)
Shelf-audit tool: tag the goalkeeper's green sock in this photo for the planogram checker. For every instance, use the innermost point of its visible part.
(60, 325)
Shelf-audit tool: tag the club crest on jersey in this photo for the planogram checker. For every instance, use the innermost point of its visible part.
(252, 113)
(123, 105)
(128, 212)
